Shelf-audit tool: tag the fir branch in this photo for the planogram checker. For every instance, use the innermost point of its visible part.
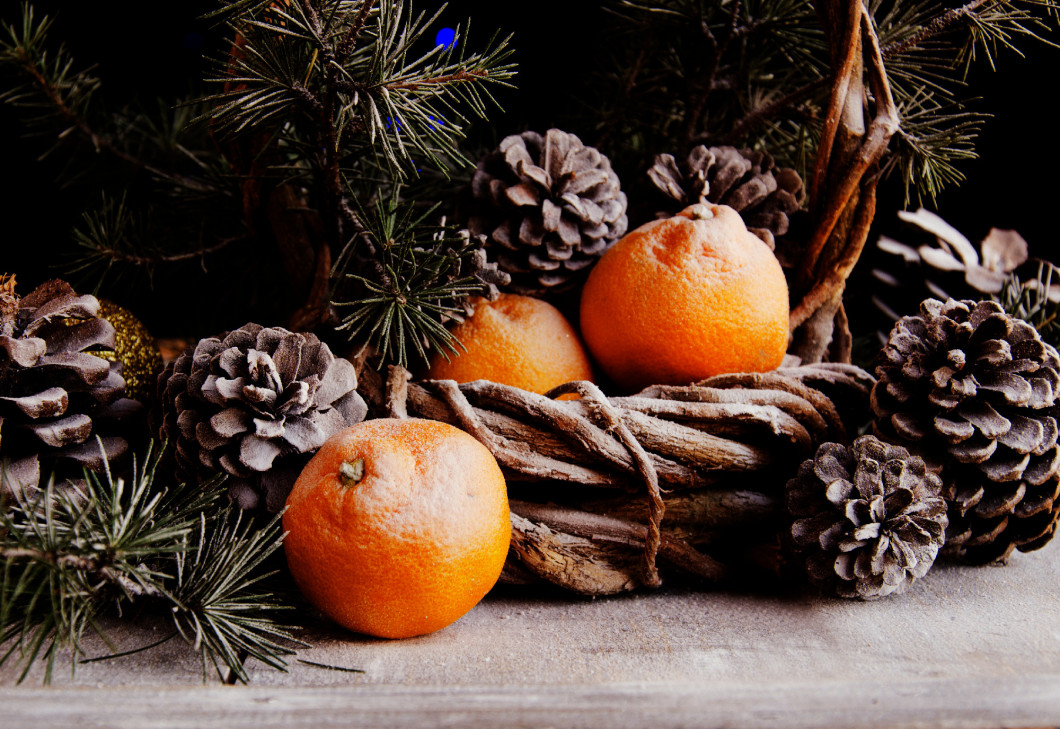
(73, 549)
(706, 72)
(755, 74)
(57, 99)
(923, 44)
(930, 142)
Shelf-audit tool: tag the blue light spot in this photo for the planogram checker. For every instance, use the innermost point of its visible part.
(445, 37)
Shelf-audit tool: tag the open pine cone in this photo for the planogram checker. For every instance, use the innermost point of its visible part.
(975, 392)
(747, 181)
(935, 260)
(866, 521)
(549, 206)
(54, 391)
(256, 404)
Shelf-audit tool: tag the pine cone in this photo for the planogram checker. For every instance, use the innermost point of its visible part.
(477, 265)
(745, 180)
(867, 521)
(975, 392)
(256, 404)
(54, 392)
(549, 206)
(938, 261)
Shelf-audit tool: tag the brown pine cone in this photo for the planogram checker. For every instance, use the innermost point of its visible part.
(549, 206)
(975, 392)
(865, 521)
(256, 404)
(745, 180)
(54, 391)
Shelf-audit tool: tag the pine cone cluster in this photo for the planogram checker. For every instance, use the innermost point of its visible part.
(866, 521)
(747, 181)
(549, 206)
(54, 391)
(256, 404)
(975, 392)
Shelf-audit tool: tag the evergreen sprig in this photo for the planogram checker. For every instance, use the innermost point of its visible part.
(71, 550)
(763, 66)
(1036, 300)
(929, 50)
(417, 283)
(701, 71)
(351, 76)
(155, 151)
(54, 95)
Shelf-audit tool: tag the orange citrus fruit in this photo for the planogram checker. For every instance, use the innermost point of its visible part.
(397, 528)
(685, 298)
(516, 340)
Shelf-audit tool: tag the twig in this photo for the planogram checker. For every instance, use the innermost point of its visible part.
(349, 41)
(938, 25)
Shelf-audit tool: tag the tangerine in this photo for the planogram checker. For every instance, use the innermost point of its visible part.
(685, 298)
(397, 528)
(515, 340)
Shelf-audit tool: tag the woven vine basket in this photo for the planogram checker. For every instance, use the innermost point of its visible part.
(606, 491)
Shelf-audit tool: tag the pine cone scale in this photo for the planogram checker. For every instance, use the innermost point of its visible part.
(74, 428)
(45, 404)
(94, 333)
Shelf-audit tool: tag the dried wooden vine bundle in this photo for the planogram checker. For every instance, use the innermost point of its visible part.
(690, 443)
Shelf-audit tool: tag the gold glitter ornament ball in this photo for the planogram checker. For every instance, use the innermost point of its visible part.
(135, 348)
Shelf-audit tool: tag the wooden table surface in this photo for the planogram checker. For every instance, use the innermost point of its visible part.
(966, 647)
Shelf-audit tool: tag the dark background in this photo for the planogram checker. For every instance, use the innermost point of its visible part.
(149, 49)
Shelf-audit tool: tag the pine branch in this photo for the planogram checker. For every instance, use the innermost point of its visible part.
(1036, 300)
(219, 605)
(72, 550)
(417, 284)
(755, 74)
(115, 238)
(335, 66)
(58, 99)
(705, 72)
(337, 87)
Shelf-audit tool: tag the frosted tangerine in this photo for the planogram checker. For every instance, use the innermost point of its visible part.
(397, 528)
(516, 340)
(685, 298)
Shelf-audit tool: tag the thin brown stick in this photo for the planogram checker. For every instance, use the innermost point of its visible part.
(605, 528)
(939, 24)
(849, 66)
(397, 392)
(832, 283)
